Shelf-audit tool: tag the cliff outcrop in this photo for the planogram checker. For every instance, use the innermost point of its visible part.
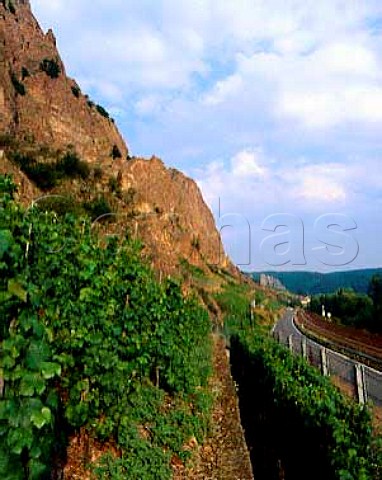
(38, 101)
(55, 142)
(44, 114)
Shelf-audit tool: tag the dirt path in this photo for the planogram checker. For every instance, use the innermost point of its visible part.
(225, 455)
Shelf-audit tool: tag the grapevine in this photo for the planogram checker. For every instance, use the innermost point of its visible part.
(85, 332)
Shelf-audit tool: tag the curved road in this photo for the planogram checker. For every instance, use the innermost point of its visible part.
(336, 364)
(286, 325)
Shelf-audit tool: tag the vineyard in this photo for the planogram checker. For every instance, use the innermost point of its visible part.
(90, 340)
(298, 425)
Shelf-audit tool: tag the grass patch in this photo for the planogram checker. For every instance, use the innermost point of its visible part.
(47, 175)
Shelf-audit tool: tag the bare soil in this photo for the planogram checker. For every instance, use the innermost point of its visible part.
(224, 456)
(348, 337)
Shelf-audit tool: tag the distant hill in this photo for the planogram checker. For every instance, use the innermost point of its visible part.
(314, 282)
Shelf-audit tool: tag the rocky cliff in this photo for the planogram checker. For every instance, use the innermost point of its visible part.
(54, 140)
(171, 216)
(38, 102)
(43, 113)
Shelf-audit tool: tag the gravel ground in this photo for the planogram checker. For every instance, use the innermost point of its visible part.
(224, 456)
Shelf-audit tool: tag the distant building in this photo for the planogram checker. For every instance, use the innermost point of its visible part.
(305, 301)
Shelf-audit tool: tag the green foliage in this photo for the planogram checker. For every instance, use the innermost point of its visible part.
(50, 67)
(114, 185)
(7, 188)
(115, 152)
(71, 166)
(195, 243)
(44, 175)
(144, 462)
(375, 293)
(86, 332)
(24, 73)
(27, 409)
(280, 394)
(102, 111)
(354, 309)
(98, 207)
(76, 91)
(18, 86)
(150, 434)
(314, 283)
(234, 301)
(48, 175)
(375, 290)
(6, 140)
(60, 205)
(9, 5)
(351, 308)
(191, 270)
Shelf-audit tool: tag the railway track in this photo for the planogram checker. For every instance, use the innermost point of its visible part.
(327, 333)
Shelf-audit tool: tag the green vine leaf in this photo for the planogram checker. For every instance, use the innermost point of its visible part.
(27, 386)
(15, 288)
(39, 419)
(50, 370)
(6, 240)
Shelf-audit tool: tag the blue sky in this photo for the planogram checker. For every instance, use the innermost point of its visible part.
(273, 106)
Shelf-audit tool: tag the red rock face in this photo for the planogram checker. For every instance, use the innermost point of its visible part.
(41, 106)
(37, 107)
(174, 221)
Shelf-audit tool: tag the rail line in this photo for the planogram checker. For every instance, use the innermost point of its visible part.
(369, 354)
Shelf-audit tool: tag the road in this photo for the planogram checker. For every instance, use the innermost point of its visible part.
(336, 364)
(286, 325)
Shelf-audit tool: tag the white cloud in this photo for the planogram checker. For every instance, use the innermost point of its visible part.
(325, 109)
(334, 84)
(149, 105)
(298, 42)
(323, 190)
(304, 55)
(346, 59)
(108, 90)
(223, 90)
(337, 83)
(250, 179)
(203, 79)
(118, 42)
(247, 163)
(321, 184)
